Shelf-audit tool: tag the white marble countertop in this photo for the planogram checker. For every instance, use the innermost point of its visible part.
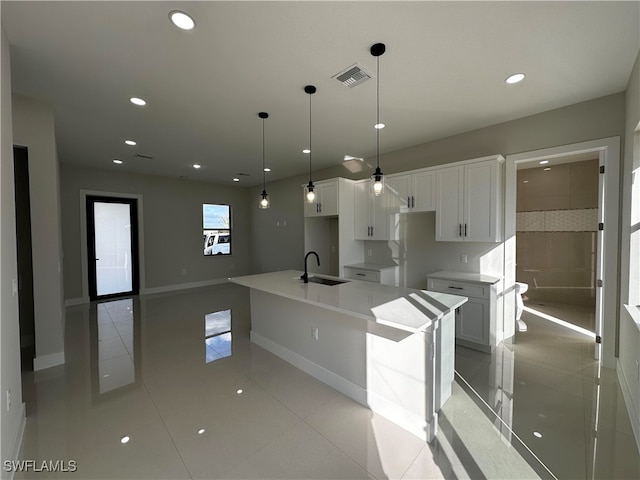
(374, 267)
(406, 309)
(465, 277)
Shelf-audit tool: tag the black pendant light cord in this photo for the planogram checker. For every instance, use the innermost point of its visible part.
(310, 89)
(264, 179)
(310, 149)
(263, 116)
(378, 112)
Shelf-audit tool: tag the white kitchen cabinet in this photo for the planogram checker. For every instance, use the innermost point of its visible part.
(475, 320)
(326, 203)
(383, 274)
(372, 220)
(468, 201)
(412, 192)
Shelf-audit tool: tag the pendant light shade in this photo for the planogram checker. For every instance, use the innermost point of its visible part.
(377, 179)
(310, 188)
(264, 197)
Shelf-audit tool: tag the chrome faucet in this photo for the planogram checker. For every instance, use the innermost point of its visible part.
(305, 275)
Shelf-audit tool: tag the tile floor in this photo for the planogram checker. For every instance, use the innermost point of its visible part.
(155, 372)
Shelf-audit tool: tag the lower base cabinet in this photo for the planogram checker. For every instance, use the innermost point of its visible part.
(476, 319)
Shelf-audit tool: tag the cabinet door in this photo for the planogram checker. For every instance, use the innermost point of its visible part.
(424, 191)
(481, 202)
(379, 217)
(449, 203)
(328, 198)
(472, 322)
(361, 222)
(398, 189)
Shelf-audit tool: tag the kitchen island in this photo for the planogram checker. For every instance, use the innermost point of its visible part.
(389, 348)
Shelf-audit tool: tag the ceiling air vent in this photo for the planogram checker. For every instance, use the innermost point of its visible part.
(352, 76)
(142, 155)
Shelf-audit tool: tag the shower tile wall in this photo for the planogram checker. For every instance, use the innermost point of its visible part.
(557, 223)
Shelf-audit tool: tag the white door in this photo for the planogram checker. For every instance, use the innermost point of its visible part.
(111, 242)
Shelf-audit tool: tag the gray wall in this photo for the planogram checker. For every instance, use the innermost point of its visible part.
(418, 251)
(172, 227)
(33, 127)
(12, 419)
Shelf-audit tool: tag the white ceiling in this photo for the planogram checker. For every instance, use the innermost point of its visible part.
(442, 74)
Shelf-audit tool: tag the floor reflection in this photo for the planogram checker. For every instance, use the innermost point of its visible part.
(218, 336)
(115, 344)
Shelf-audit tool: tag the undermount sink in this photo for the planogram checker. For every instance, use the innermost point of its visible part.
(326, 281)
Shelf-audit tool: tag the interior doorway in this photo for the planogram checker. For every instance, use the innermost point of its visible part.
(26, 310)
(112, 247)
(557, 246)
(607, 151)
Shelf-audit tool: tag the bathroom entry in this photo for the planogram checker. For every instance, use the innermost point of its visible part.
(112, 241)
(557, 237)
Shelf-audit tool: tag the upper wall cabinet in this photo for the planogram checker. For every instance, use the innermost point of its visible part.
(326, 203)
(468, 201)
(372, 220)
(412, 192)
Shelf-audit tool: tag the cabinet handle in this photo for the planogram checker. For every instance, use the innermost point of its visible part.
(465, 229)
(457, 288)
(413, 201)
(360, 274)
(459, 229)
(319, 208)
(372, 230)
(409, 202)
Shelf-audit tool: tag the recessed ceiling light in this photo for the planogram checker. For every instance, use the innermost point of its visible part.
(544, 162)
(236, 179)
(526, 181)
(130, 142)
(515, 78)
(125, 439)
(239, 391)
(306, 150)
(115, 160)
(547, 169)
(201, 431)
(138, 101)
(537, 434)
(182, 20)
(267, 169)
(196, 166)
(379, 126)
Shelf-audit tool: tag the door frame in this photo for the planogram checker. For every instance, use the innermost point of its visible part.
(608, 150)
(84, 258)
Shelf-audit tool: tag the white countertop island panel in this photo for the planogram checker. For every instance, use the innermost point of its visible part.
(406, 309)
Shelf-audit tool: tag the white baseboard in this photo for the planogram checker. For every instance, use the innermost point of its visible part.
(183, 286)
(377, 404)
(71, 302)
(628, 400)
(17, 442)
(47, 361)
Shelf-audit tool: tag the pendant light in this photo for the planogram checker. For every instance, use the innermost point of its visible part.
(377, 179)
(264, 198)
(311, 194)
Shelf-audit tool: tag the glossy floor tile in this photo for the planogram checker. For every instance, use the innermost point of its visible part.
(160, 387)
(549, 389)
